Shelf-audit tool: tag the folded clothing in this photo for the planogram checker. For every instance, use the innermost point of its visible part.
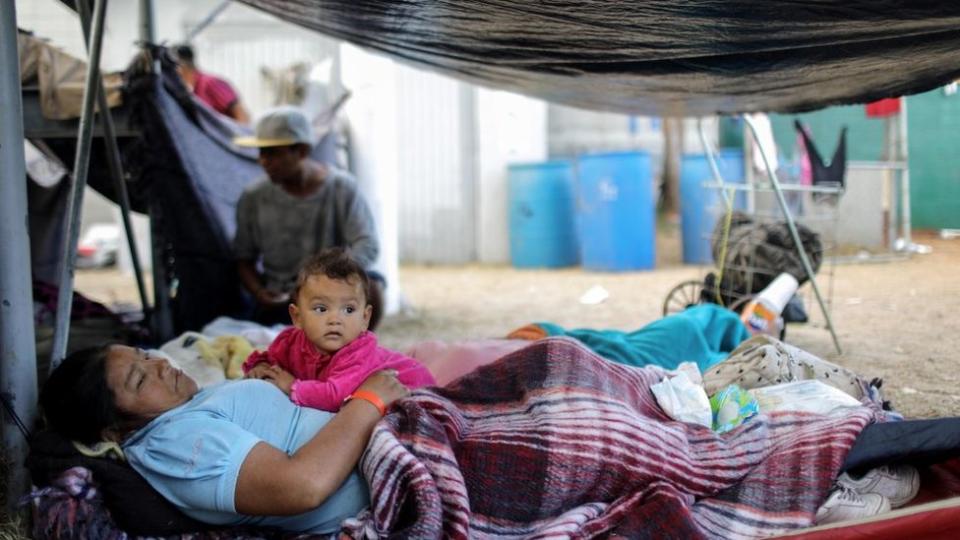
(766, 361)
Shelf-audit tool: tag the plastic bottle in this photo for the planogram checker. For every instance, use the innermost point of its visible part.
(762, 314)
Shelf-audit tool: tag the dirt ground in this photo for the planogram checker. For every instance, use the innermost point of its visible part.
(894, 319)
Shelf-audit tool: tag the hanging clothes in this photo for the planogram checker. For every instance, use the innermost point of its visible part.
(824, 175)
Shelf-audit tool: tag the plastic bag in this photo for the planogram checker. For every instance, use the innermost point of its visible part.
(810, 396)
(683, 400)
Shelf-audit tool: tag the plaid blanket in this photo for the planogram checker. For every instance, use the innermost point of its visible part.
(554, 442)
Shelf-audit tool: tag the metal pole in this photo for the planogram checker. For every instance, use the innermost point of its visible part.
(75, 199)
(712, 160)
(160, 318)
(161, 322)
(18, 354)
(147, 30)
(207, 21)
(115, 164)
(905, 177)
(794, 233)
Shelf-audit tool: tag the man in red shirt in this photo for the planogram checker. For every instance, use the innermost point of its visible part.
(212, 90)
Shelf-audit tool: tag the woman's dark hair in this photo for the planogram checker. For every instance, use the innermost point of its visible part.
(76, 400)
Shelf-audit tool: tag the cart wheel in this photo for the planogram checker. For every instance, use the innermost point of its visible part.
(684, 295)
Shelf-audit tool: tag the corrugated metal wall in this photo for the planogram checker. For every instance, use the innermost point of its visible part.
(437, 201)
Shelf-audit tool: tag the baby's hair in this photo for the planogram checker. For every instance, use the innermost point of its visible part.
(334, 263)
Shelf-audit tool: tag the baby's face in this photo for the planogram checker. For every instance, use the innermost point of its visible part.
(331, 312)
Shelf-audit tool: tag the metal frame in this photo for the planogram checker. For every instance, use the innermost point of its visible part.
(115, 165)
(206, 21)
(75, 198)
(18, 367)
(781, 201)
(18, 362)
(775, 183)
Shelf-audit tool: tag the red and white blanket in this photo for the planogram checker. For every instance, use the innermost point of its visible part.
(554, 442)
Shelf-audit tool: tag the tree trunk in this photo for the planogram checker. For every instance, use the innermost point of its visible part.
(672, 152)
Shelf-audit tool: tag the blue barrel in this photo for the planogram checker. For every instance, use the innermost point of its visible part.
(615, 210)
(701, 207)
(542, 223)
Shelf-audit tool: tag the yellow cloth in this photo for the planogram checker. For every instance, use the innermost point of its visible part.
(108, 449)
(228, 352)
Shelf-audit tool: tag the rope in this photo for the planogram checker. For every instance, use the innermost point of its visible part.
(723, 244)
(13, 414)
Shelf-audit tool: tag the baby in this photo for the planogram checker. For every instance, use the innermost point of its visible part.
(323, 358)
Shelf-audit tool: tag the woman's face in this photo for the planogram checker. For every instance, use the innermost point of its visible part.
(145, 387)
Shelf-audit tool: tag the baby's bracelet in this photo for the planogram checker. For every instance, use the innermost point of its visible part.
(369, 397)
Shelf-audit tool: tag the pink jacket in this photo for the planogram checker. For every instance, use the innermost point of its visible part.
(324, 381)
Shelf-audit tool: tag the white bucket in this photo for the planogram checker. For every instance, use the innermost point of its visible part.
(779, 292)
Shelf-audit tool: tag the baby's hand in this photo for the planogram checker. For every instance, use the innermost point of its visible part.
(258, 371)
(280, 377)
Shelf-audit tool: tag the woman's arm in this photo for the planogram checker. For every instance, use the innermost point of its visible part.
(273, 483)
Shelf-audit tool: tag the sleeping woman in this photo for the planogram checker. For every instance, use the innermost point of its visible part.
(235, 454)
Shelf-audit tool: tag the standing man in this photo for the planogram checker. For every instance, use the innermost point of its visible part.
(212, 90)
(301, 208)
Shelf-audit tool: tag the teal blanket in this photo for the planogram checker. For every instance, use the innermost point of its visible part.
(705, 334)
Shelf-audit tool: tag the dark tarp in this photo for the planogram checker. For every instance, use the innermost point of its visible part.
(693, 57)
(184, 171)
(187, 173)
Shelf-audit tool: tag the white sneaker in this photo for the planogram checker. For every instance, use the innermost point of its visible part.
(845, 504)
(898, 483)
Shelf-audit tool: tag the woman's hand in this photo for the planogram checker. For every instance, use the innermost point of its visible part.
(274, 483)
(385, 384)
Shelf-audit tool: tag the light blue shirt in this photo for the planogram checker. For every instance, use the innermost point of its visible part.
(192, 454)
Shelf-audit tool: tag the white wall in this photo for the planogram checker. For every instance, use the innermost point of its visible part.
(374, 128)
(510, 129)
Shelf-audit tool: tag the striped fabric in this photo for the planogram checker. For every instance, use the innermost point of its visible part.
(555, 442)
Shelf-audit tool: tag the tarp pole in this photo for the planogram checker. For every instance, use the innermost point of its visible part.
(794, 233)
(207, 21)
(75, 197)
(161, 318)
(116, 165)
(905, 177)
(18, 354)
(147, 30)
(714, 168)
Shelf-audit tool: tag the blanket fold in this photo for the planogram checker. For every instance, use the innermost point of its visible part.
(552, 440)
